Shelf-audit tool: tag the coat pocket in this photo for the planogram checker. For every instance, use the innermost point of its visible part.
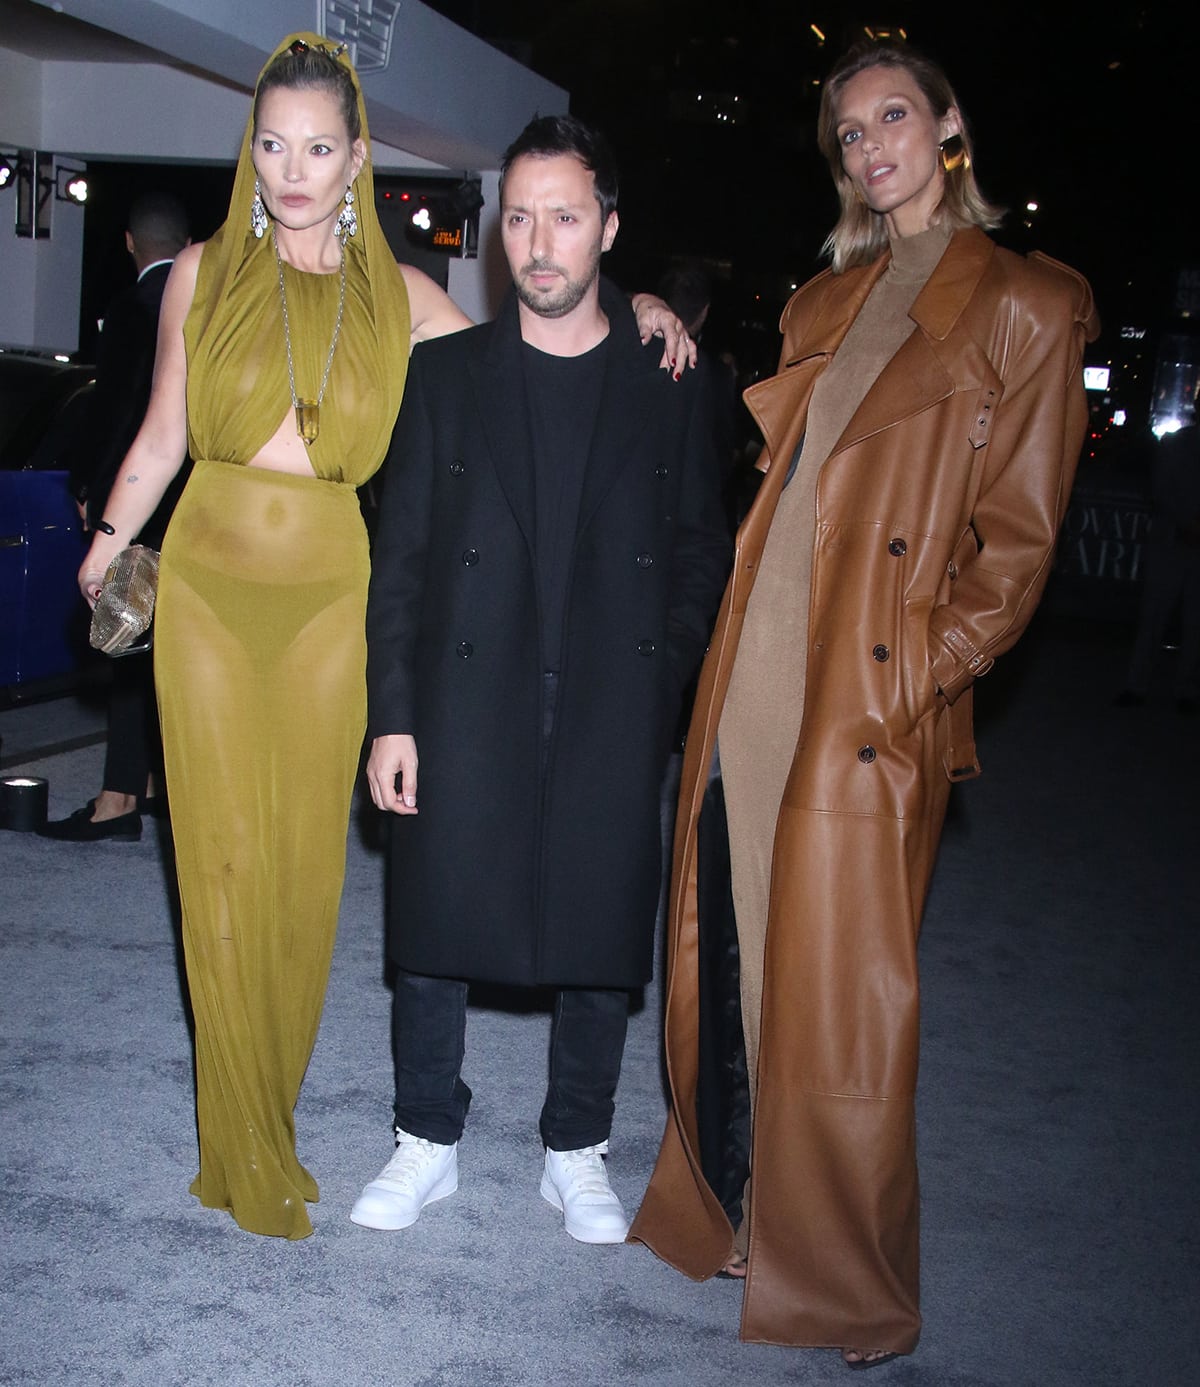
(920, 692)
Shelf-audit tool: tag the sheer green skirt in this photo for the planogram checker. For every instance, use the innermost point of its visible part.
(260, 662)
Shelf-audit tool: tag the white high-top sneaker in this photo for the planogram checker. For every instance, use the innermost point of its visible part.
(577, 1183)
(419, 1172)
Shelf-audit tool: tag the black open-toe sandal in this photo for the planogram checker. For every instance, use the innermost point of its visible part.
(868, 1362)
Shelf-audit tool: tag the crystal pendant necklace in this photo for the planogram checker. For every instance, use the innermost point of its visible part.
(308, 412)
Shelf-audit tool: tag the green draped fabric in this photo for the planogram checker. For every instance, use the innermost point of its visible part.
(260, 662)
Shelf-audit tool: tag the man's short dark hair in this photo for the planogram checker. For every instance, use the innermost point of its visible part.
(687, 290)
(547, 136)
(157, 221)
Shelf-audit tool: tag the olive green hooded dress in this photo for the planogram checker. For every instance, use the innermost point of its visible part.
(260, 663)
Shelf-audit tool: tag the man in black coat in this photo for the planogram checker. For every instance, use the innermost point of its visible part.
(549, 559)
(157, 231)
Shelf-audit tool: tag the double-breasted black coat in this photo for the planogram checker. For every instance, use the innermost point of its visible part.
(513, 871)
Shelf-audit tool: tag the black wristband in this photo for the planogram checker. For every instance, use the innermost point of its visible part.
(105, 528)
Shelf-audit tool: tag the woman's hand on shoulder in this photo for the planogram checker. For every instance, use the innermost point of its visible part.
(655, 319)
(432, 312)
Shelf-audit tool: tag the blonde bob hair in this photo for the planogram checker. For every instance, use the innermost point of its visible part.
(860, 234)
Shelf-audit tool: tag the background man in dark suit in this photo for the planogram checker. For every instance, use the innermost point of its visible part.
(157, 231)
(549, 558)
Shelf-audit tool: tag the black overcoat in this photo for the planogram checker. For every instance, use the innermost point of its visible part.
(508, 873)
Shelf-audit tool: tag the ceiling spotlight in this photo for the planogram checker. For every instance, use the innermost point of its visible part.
(71, 185)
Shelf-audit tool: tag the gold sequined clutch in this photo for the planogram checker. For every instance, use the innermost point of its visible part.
(125, 608)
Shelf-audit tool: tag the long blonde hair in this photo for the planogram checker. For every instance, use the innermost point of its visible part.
(860, 235)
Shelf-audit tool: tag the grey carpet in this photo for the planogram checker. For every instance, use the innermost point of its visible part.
(1058, 1114)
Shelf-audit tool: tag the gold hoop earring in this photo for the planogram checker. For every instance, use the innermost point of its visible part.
(954, 154)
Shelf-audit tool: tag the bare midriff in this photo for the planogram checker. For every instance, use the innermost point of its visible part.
(285, 450)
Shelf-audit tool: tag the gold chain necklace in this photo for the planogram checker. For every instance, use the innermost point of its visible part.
(308, 412)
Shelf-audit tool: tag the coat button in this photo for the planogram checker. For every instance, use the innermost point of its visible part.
(660, 470)
(645, 647)
(897, 548)
(470, 557)
(645, 560)
(466, 649)
(881, 653)
(866, 754)
(456, 468)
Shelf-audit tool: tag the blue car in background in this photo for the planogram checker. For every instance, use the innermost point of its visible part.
(43, 621)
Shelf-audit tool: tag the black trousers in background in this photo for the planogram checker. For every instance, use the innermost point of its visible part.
(134, 741)
(587, 1042)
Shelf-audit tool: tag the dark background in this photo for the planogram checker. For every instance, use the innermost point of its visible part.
(1084, 109)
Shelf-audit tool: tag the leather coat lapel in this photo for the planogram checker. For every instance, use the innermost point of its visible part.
(916, 378)
(911, 381)
(780, 403)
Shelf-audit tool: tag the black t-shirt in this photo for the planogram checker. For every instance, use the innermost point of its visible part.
(564, 399)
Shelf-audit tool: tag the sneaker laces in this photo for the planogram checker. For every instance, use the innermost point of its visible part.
(411, 1159)
(585, 1170)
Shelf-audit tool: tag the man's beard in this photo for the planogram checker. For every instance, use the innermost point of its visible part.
(559, 302)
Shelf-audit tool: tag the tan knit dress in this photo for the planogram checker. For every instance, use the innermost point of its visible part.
(764, 707)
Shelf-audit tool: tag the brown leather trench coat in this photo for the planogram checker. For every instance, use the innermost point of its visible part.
(937, 513)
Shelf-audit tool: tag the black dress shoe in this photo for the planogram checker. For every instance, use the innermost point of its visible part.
(79, 828)
(154, 805)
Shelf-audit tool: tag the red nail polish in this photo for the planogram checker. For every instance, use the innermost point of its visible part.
(672, 361)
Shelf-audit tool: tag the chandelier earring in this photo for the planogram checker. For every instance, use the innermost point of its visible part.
(258, 213)
(954, 154)
(347, 219)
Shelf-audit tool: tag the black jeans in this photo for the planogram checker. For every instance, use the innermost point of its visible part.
(429, 1031)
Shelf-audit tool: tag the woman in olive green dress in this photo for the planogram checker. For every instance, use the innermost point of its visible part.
(283, 345)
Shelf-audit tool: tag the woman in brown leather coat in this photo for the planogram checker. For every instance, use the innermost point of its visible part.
(921, 437)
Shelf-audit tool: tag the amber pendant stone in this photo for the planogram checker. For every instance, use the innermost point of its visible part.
(308, 420)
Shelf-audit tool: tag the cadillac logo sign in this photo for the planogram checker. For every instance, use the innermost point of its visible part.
(364, 26)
